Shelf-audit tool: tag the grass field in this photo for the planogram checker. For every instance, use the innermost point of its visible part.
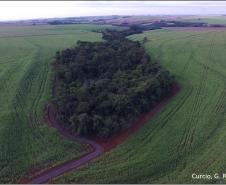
(20, 31)
(26, 141)
(189, 135)
(207, 19)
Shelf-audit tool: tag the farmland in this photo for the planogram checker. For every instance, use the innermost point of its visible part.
(221, 20)
(189, 135)
(27, 142)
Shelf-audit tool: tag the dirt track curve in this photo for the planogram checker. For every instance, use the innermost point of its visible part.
(54, 172)
(99, 146)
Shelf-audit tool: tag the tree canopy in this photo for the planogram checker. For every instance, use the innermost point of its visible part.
(104, 86)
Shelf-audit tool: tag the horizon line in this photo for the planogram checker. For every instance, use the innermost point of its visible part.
(46, 18)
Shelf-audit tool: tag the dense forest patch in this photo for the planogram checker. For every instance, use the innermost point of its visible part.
(104, 86)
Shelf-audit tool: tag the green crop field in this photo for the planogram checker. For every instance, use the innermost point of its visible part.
(206, 19)
(188, 136)
(27, 143)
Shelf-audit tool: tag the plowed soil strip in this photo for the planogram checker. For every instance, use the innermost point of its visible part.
(99, 146)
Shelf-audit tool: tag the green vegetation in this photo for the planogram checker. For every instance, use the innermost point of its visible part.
(188, 135)
(26, 141)
(104, 86)
(221, 20)
(24, 31)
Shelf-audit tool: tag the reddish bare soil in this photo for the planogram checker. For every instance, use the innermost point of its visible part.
(99, 146)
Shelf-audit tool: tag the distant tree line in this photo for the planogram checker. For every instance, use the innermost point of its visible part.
(110, 34)
(104, 86)
(164, 23)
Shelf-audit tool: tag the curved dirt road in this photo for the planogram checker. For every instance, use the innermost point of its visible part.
(58, 170)
(99, 146)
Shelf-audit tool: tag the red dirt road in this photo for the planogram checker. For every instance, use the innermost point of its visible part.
(100, 146)
(58, 170)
